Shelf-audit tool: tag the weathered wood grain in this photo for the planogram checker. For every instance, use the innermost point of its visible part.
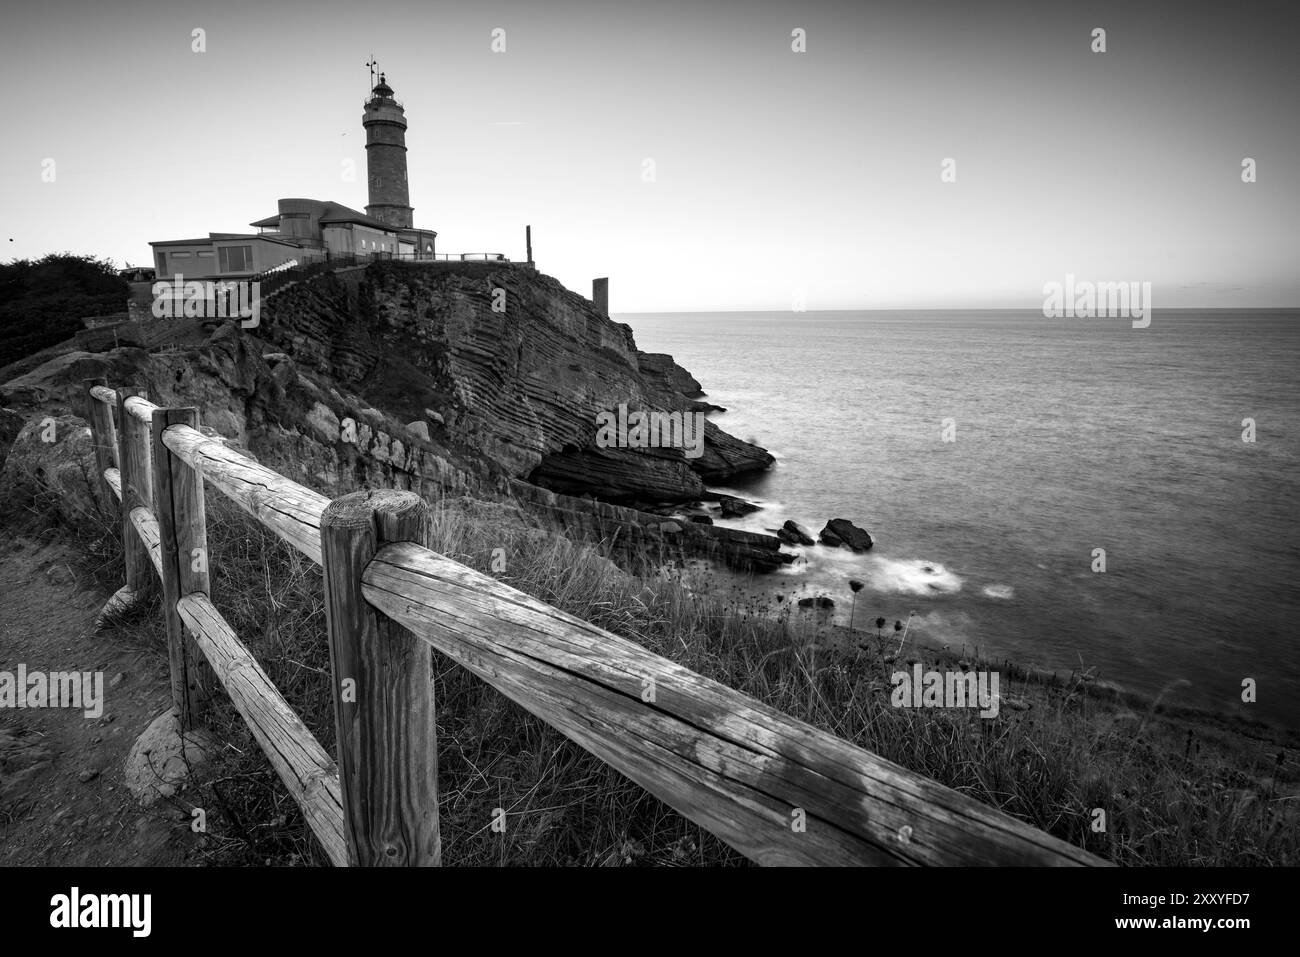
(136, 467)
(102, 428)
(725, 760)
(143, 524)
(146, 526)
(302, 764)
(140, 408)
(182, 532)
(383, 690)
(286, 508)
(125, 599)
(102, 393)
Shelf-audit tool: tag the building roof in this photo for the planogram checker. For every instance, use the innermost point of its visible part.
(332, 212)
(225, 237)
(338, 213)
(415, 233)
(284, 241)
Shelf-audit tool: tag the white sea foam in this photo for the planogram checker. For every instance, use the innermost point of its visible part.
(911, 576)
(999, 591)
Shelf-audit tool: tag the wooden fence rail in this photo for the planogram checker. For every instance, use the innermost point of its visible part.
(779, 790)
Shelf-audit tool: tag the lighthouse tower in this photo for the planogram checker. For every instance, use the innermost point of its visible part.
(385, 123)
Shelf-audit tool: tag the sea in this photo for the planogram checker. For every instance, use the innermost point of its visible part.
(1070, 494)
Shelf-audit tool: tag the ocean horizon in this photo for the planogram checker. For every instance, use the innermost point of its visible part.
(992, 452)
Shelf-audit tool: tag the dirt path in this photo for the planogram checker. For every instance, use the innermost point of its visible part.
(63, 800)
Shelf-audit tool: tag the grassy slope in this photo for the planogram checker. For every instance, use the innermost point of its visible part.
(1177, 788)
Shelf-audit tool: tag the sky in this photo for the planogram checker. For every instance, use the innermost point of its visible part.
(781, 179)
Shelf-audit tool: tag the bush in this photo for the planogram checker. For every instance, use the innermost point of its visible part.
(42, 302)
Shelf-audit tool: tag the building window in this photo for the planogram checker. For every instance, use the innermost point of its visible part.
(180, 255)
(205, 253)
(236, 258)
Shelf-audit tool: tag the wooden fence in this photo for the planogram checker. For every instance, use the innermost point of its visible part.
(778, 790)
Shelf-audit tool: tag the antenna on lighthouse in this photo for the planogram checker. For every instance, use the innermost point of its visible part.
(372, 64)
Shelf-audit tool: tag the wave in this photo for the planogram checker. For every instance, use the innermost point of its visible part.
(911, 576)
(1003, 592)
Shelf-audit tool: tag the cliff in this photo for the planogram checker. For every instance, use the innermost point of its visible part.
(514, 365)
(405, 377)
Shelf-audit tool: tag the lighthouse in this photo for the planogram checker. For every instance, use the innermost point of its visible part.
(385, 124)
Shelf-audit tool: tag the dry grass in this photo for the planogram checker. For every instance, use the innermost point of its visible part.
(1175, 791)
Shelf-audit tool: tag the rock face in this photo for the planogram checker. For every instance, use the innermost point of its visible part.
(667, 375)
(840, 531)
(521, 387)
(52, 460)
(726, 457)
(625, 476)
(698, 406)
(438, 434)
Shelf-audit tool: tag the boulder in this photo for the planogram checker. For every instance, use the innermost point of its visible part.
(840, 531)
(733, 507)
(164, 757)
(821, 601)
(798, 535)
(52, 460)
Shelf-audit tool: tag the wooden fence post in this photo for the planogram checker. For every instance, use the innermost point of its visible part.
(383, 689)
(183, 540)
(136, 479)
(104, 433)
(136, 468)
